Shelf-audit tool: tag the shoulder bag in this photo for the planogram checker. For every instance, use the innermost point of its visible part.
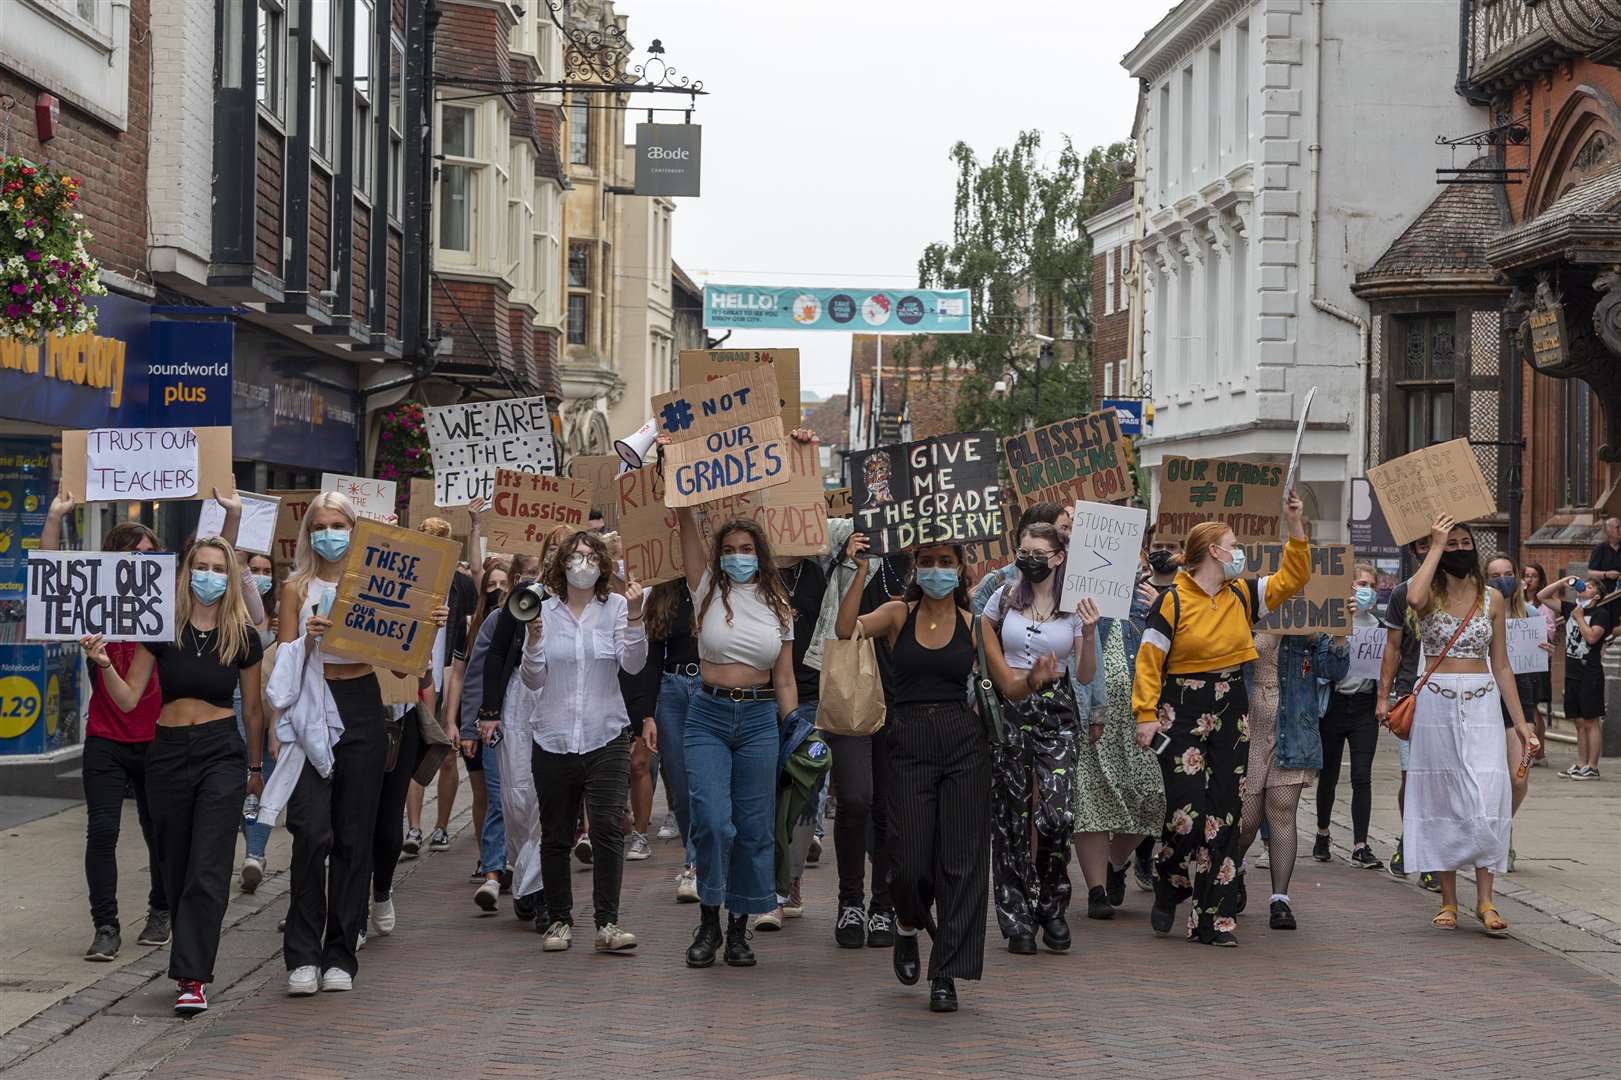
(1400, 718)
(984, 697)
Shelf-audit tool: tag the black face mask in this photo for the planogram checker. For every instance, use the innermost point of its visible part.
(1035, 571)
(1460, 563)
(1161, 562)
(491, 599)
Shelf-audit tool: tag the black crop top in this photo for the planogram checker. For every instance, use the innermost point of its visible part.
(931, 676)
(183, 673)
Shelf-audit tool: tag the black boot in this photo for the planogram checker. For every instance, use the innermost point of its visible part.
(738, 953)
(1097, 901)
(943, 996)
(1055, 932)
(907, 966)
(1115, 890)
(706, 939)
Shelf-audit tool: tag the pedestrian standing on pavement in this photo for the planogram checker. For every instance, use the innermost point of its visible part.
(1604, 565)
(1459, 805)
(199, 771)
(1398, 672)
(1536, 579)
(1031, 879)
(574, 650)
(1351, 721)
(256, 836)
(1587, 624)
(333, 732)
(1503, 575)
(1190, 688)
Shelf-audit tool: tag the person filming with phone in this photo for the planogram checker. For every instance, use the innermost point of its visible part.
(1192, 709)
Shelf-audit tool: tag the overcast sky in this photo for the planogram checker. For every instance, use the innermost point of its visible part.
(828, 126)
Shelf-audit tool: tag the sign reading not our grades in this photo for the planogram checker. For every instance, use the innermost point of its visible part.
(728, 437)
(123, 596)
(942, 490)
(392, 581)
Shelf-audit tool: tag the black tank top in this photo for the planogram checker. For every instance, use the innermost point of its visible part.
(926, 676)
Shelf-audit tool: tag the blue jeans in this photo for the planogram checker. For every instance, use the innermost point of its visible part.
(670, 717)
(492, 838)
(731, 751)
(255, 834)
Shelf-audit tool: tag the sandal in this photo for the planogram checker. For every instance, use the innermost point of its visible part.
(1446, 918)
(1493, 922)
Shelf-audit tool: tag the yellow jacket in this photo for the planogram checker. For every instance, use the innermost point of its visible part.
(1212, 633)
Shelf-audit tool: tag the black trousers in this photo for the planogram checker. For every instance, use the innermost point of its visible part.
(1349, 719)
(939, 810)
(196, 780)
(109, 768)
(331, 822)
(388, 836)
(602, 778)
(861, 826)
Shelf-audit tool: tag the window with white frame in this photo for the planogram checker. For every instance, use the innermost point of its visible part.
(520, 257)
(579, 297)
(459, 173)
(548, 252)
(362, 48)
(79, 50)
(322, 85)
(1108, 283)
(396, 128)
(270, 58)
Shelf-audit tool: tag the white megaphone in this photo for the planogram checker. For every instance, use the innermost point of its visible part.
(633, 448)
(524, 605)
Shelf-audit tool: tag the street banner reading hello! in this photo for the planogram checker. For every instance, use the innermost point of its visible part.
(123, 596)
(392, 581)
(728, 438)
(941, 490)
(1082, 460)
(527, 506)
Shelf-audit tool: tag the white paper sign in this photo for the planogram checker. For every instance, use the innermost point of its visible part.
(530, 449)
(458, 487)
(122, 596)
(473, 439)
(1525, 638)
(256, 532)
(372, 498)
(1367, 651)
(130, 464)
(1104, 543)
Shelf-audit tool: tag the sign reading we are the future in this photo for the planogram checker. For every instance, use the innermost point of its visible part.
(941, 490)
(728, 437)
(472, 439)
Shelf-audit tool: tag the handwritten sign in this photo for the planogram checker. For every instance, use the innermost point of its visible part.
(1415, 487)
(942, 490)
(728, 438)
(255, 533)
(1247, 496)
(601, 471)
(1525, 638)
(987, 556)
(373, 499)
(838, 502)
(140, 464)
(793, 515)
(648, 532)
(122, 596)
(392, 581)
(1086, 459)
(289, 516)
(1101, 563)
(1368, 651)
(421, 507)
(528, 506)
(1323, 606)
(706, 365)
(473, 439)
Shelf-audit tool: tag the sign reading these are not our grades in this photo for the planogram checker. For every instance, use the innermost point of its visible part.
(728, 438)
(393, 579)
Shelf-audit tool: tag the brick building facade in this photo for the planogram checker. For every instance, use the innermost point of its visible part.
(1111, 230)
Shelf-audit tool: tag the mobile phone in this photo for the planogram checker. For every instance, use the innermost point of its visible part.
(1161, 741)
(494, 740)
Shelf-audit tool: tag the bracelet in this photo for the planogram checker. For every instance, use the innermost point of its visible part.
(256, 768)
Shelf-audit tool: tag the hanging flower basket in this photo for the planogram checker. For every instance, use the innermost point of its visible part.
(46, 276)
(402, 449)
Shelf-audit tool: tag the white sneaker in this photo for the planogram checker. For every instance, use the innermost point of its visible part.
(335, 980)
(771, 920)
(304, 981)
(487, 894)
(1570, 772)
(611, 938)
(253, 872)
(686, 886)
(639, 848)
(559, 936)
(382, 917)
(667, 830)
(360, 942)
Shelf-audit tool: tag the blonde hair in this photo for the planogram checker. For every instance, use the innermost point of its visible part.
(1362, 567)
(435, 526)
(233, 619)
(304, 558)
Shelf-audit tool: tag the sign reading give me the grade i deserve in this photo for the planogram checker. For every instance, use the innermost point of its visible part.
(936, 491)
(727, 435)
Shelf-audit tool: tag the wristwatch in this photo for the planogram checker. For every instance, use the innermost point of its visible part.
(256, 768)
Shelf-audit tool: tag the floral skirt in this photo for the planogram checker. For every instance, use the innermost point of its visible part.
(1118, 788)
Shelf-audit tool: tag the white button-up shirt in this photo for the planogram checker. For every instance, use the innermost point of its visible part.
(575, 665)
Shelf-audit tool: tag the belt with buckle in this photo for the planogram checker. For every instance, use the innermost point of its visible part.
(681, 669)
(741, 693)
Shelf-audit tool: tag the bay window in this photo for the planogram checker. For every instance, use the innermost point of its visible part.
(457, 205)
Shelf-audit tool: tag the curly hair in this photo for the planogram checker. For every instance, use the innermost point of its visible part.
(767, 582)
(663, 605)
(555, 574)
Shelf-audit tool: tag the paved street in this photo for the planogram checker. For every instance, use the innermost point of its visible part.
(457, 993)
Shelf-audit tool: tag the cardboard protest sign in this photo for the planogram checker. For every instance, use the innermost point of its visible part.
(838, 502)
(942, 490)
(706, 365)
(472, 439)
(1368, 651)
(373, 499)
(1323, 606)
(728, 438)
(397, 690)
(145, 464)
(1085, 459)
(793, 515)
(289, 516)
(1293, 471)
(1246, 495)
(255, 533)
(601, 471)
(647, 528)
(1525, 638)
(421, 507)
(123, 596)
(528, 506)
(392, 581)
(1104, 547)
(1415, 487)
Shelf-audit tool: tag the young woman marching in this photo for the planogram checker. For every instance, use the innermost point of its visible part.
(255, 836)
(583, 637)
(1190, 686)
(940, 766)
(1459, 805)
(334, 755)
(1032, 885)
(198, 771)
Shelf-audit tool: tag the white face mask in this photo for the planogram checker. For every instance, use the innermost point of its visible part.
(582, 571)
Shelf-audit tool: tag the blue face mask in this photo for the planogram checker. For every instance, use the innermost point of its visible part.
(740, 568)
(330, 544)
(263, 582)
(1365, 598)
(207, 585)
(1236, 567)
(937, 582)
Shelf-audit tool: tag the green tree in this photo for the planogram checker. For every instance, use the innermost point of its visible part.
(1019, 248)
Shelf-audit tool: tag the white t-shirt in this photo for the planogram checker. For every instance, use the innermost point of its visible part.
(754, 636)
(1024, 641)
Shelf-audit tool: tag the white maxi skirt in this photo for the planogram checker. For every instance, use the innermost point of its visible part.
(520, 806)
(1459, 804)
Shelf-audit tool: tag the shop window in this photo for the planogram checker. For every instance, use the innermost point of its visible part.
(1576, 446)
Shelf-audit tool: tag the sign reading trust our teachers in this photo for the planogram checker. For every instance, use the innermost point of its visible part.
(883, 311)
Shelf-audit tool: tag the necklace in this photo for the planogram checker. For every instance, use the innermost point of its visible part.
(890, 591)
(200, 639)
(793, 589)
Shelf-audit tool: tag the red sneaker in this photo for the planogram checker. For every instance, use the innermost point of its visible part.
(192, 999)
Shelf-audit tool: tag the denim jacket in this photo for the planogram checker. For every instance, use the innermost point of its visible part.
(1092, 699)
(1308, 670)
